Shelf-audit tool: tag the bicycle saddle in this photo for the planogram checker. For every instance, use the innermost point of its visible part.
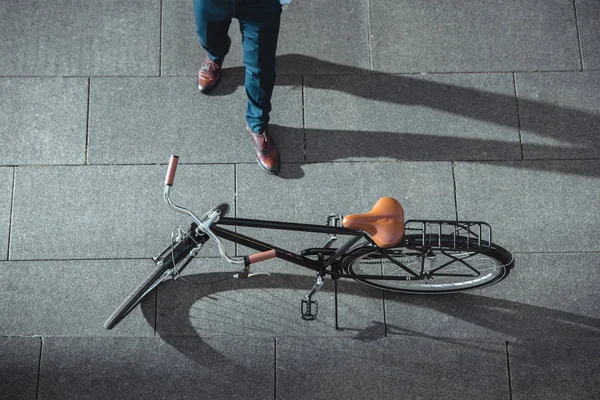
(385, 222)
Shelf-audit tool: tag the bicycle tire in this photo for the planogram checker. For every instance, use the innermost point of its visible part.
(136, 296)
(176, 254)
(447, 255)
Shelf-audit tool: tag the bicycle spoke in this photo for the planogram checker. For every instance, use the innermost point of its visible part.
(431, 270)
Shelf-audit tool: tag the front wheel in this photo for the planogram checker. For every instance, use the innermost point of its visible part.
(171, 261)
(434, 270)
(153, 280)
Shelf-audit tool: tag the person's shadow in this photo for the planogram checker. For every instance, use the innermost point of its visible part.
(569, 139)
(176, 315)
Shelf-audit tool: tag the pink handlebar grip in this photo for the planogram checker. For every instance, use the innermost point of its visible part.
(171, 171)
(258, 257)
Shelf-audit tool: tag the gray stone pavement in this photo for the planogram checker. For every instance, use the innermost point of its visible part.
(480, 110)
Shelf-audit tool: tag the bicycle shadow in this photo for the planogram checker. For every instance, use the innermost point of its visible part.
(563, 138)
(201, 312)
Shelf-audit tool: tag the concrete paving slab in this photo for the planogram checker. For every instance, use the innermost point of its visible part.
(533, 205)
(99, 38)
(181, 53)
(542, 298)
(108, 211)
(555, 370)
(139, 120)
(149, 368)
(301, 36)
(558, 113)
(403, 117)
(43, 120)
(6, 186)
(264, 305)
(19, 368)
(313, 40)
(72, 298)
(441, 36)
(415, 368)
(424, 189)
(588, 22)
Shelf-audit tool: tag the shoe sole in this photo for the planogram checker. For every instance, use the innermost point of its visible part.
(266, 170)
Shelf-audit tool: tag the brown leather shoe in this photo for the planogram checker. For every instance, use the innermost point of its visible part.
(209, 75)
(266, 151)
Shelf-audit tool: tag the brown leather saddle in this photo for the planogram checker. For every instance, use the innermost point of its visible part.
(384, 223)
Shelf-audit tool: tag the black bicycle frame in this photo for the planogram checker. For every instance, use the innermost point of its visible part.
(284, 254)
(321, 265)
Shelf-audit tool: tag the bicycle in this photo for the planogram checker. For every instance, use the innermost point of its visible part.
(383, 250)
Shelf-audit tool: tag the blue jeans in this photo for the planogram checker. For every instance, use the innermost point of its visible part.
(259, 24)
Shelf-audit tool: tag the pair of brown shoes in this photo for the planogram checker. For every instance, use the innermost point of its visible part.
(265, 149)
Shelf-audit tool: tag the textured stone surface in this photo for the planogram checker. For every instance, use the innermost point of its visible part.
(306, 45)
(43, 120)
(264, 305)
(415, 368)
(97, 38)
(588, 21)
(324, 37)
(107, 211)
(558, 114)
(143, 368)
(537, 301)
(533, 205)
(443, 36)
(72, 298)
(409, 87)
(143, 120)
(19, 367)
(181, 53)
(6, 190)
(424, 189)
(555, 370)
(405, 117)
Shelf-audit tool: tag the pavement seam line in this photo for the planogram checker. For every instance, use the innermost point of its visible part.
(155, 310)
(10, 214)
(508, 371)
(581, 64)
(37, 388)
(514, 76)
(453, 165)
(235, 205)
(87, 123)
(369, 42)
(385, 327)
(304, 119)
(274, 368)
(160, 38)
(188, 75)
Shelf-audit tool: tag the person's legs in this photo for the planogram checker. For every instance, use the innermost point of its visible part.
(259, 24)
(213, 18)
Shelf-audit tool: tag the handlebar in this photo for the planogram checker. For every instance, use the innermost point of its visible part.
(204, 223)
(171, 171)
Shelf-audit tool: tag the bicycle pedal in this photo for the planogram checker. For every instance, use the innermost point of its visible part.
(309, 309)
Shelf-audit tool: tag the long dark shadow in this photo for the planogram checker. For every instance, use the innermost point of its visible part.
(507, 319)
(571, 140)
(334, 145)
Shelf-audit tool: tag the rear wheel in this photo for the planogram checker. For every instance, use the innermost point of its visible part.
(453, 266)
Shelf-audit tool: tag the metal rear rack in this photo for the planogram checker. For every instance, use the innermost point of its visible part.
(454, 235)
